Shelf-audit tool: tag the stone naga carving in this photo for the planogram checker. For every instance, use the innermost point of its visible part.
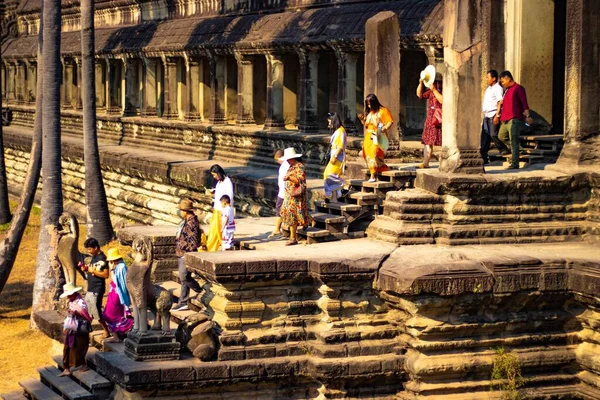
(67, 248)
(143, 294)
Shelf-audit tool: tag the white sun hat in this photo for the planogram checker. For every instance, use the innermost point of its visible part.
(288, 153)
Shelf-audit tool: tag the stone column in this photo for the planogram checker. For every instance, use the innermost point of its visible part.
(78, 91)
(462, 91)
(382, 61)
(245, 106)
(347, 88)
(309, 69)
(100, 82)
(149, 88)
(64, 100)
(129, 86)
(10, 82)
(31, 81)
(274, 92)
(582, 102)
(530, 50)
(170, 89)
(20, 81)
(217, 81)
(112, 85)
(192, 81)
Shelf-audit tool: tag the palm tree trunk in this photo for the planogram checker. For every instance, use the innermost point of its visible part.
(10, 245)
(4, 205)
(98, 217)
(52, 200)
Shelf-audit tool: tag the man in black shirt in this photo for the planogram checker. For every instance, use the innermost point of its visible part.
(96, 273)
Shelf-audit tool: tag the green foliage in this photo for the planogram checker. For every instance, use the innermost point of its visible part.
(506, 375)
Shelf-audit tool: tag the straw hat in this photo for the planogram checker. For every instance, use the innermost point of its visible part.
(113, 254)
(69, 289)
(186, 205)
(428, 76)
(288, 153)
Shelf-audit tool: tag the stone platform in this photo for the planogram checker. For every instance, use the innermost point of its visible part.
(322, 320)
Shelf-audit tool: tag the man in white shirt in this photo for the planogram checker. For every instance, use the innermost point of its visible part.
(489, 130)
(283, 170)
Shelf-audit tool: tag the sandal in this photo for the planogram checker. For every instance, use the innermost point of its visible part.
(291, 243)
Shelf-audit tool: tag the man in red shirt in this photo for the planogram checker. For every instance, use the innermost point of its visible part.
(515, 112)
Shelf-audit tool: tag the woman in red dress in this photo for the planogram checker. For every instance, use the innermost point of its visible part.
(432, 131)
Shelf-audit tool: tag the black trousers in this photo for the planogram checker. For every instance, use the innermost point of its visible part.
(489, 133)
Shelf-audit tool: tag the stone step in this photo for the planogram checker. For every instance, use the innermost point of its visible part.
(316, 235)
(36, 390)
(98, 385)
(175, 289)
(338, 206)
(327, 218)
(373, 186)
(394, 231)
(178, 316)
(63, 384)
(364, 199)
(15, 395)
(413, 196)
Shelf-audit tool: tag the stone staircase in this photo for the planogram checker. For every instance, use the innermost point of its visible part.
(86, 385)
(349, 217)
(537, 149)
(535, 209)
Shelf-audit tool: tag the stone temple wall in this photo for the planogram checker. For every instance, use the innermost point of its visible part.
(139, 188)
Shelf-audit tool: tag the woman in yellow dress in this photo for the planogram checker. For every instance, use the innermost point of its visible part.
(376, 118)
(333, 172)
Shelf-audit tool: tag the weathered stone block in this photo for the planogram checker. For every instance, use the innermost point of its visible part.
(364, 367)
(177, 374)
(211, 371)
(245, 369)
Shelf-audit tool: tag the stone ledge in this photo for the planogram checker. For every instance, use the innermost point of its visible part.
(191, 372)
(324, 261)
(449, 271)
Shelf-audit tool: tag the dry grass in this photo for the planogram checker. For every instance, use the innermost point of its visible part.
(22, 350)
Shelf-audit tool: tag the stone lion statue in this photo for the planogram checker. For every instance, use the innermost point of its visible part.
(67, 249)
(143, 294)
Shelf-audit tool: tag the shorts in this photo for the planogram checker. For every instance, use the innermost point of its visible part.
(94, 305)
(278, 205)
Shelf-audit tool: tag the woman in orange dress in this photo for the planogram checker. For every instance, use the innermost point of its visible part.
(376, 118)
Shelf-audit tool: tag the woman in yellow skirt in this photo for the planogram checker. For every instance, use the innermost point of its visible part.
(333, 172)
(376, 118)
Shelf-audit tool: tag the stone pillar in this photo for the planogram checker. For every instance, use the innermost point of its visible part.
(217, 81)
(10, 82)
(274, 92)
(347, 88)
(100, 82)
(64, 100)
(530, 50)
(462, 94)
(192, 98)
(78, 92)
(149, 88)
(170, 89)
(309, 69)
(582, 103)
(31, 82)
(245, 106)
(493, 33)
(130, 85)
(20, 82)
(382, 65)
(113, 83)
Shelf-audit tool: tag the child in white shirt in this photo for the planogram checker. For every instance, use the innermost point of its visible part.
(227, 223)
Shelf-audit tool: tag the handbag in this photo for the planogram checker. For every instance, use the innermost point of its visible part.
(70, 323)
(437, 117)
(84, 326)
(298, 190)
(382, 140)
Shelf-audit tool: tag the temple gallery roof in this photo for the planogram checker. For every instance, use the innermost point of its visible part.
(420, 21)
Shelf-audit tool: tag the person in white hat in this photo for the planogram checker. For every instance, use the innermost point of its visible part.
(76, 328)
(294, 210)
(432, 131)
